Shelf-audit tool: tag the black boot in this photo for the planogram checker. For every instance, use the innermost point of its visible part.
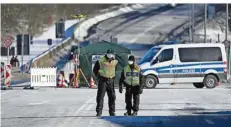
(134, 113)
(128, 113)
(99, 114)
(112, 114)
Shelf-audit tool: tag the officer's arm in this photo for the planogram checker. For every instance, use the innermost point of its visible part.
(96, 69)
(141, 81)
(121, 78)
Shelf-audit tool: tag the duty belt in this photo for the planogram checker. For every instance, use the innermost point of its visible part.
(106, 79)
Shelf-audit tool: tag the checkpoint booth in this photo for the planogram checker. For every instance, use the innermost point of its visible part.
(92, 52)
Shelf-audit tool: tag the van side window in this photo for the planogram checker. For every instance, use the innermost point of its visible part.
(165, 55)
(200, 54)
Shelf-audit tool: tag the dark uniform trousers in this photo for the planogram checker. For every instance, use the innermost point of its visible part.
(132, 91)
(106, 85)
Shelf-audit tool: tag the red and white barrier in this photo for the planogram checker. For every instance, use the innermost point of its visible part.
(61, 81)
(7, 75)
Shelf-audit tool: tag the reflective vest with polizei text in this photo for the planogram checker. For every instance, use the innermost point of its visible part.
(107, 69)
(132, 78)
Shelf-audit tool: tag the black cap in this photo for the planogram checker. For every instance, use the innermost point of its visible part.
(132, 58)
(110, 51)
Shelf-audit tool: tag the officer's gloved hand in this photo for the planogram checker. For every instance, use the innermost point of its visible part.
(120, 89)
(140, 90)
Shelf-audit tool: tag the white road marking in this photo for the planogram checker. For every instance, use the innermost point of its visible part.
(39, 103)
(209, 121)
(2, 93)
(68, 121)
(85, 105)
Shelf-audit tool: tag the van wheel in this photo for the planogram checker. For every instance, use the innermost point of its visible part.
(150, 82)
(210, 81)
(198, 85)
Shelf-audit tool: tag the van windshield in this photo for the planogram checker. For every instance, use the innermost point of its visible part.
(149, 55)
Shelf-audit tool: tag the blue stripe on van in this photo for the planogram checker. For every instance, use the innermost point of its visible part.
(183, 65)
(197, 64)
(198, 70)
(217, 69)
(158, 69)
(163, 71)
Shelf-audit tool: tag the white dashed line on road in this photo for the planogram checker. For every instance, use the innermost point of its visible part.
(39, 103)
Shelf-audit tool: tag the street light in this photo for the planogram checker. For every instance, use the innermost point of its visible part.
(193, 27)
(205, 23)
(190, 23)
(227, 22)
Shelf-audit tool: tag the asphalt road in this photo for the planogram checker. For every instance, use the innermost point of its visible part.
(146, 26)
(153, 24)
(177, 106)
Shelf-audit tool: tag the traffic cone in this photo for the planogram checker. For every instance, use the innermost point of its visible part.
(76, 83)
(60, 80)
(92, 83)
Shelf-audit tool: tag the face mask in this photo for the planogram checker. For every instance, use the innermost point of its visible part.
(130, 62)
(109, 55)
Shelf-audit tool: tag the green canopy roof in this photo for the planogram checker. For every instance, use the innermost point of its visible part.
(102, 47)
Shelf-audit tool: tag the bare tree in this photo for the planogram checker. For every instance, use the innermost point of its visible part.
(33, 18)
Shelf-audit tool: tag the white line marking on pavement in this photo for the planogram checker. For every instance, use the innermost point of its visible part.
(2, 93)
(43, 102)
(209, 121)
(86, 105)
(70, 121)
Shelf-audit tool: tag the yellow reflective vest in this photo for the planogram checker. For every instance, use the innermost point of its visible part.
(132, 78)
(107, 69)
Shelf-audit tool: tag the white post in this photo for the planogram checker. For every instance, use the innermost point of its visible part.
(229, 59)
(8, 52)
(22, 51)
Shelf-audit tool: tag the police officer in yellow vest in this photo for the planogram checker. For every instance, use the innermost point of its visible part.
(105, 69)
(132, 80)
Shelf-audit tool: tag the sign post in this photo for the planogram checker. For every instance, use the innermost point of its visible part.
(7, 43)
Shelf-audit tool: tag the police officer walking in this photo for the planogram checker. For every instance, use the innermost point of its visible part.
(132, 80)
(105, 69)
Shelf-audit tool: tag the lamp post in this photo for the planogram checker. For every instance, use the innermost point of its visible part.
(205, 23)
(190, 23)
(193, 25)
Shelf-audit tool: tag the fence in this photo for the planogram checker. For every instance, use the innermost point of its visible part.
(43, 77)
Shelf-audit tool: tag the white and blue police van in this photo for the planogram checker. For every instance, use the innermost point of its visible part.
(202, 64)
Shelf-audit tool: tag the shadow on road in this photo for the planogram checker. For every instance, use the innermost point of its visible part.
(215, 119)
(48, 117)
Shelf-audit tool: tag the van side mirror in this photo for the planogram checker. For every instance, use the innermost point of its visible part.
(155, 61)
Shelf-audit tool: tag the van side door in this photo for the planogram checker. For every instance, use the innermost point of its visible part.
(188, 65)
(163, 64)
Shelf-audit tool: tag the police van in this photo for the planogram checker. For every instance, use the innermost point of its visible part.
(200, 64)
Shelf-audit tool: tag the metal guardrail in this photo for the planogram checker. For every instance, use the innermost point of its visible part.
(46, 59)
